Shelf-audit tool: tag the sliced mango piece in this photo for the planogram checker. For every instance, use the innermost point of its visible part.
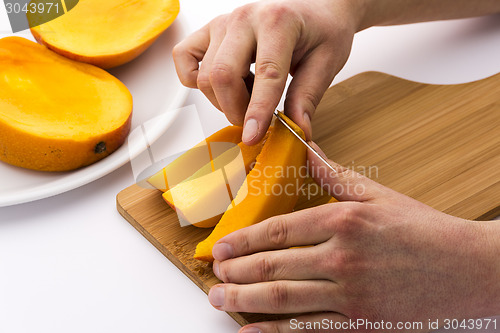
(201, 199)
(57, 114)
(271, 187)
(194, 159)
(332, 200)
(105, 33)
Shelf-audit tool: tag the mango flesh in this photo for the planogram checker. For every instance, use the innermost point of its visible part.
(57, 114)
(106, 33)
(201, 199)
(271, 188)
(194, 159)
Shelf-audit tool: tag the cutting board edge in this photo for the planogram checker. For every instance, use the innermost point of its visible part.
(169, 255)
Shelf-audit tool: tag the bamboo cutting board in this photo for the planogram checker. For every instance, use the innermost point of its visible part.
(437, 144)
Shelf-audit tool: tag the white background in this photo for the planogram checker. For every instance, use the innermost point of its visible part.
(71, 263)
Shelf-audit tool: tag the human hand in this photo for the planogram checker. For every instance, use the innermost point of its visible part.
(378, 255)
(309, 39)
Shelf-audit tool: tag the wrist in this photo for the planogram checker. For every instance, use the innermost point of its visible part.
(379, 12)
(489, 241)
(356, 12)
(369, 13)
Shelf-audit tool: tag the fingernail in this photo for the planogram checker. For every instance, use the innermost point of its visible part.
(307, 125)
(250, 130)
(317, 149)
(216, 296)
(216, 269)
(222, 251)
(250, 330)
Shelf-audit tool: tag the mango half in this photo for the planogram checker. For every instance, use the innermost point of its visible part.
(106, 33)
(57, 114)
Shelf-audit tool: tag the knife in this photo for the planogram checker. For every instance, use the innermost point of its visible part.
(249, 81)
(279, 116)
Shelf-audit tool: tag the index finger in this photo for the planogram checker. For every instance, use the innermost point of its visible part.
(187, 55)
(306, 227)
(275, 44)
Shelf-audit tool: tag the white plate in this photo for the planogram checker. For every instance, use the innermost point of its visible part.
(157, 92)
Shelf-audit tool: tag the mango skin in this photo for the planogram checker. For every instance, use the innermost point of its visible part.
(51, 118)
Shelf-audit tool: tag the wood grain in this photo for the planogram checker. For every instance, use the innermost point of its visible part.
(437, 144)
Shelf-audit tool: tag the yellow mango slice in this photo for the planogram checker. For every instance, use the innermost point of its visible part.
(57, 114)
(106, 33)
(201, 199)
(271, 187)
(195, 158)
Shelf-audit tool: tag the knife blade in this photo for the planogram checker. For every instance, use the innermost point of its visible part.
(278, 116)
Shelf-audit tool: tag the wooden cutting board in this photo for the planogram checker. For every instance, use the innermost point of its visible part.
(437, 144)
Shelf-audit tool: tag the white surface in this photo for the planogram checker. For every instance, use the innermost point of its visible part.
(157, 93)
(70, 263)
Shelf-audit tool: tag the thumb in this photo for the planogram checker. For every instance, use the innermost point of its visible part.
(343, 184)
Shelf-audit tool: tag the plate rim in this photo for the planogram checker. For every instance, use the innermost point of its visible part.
(101, 168)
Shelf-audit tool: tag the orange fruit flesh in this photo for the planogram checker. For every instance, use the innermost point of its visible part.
(201, 199)
(192, 160)
(271, 187)
(107, 33)
(54, 112)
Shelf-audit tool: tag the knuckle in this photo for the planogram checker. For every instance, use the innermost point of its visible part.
(241, 13)
(231, 298)
(344, 172)
(224, 272)
(282, 18)
(349, 216)
(241, 244)
(203, 82)
(278, 296)
(259, 105)
(306, 99)
(312, 98)
(339, 264)
(268, 69)
(265, 269)
(221, 20)
(221, 75)
(218, 22)
(187, 80)
(277, 232)
(276, 13)
(178, 50)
